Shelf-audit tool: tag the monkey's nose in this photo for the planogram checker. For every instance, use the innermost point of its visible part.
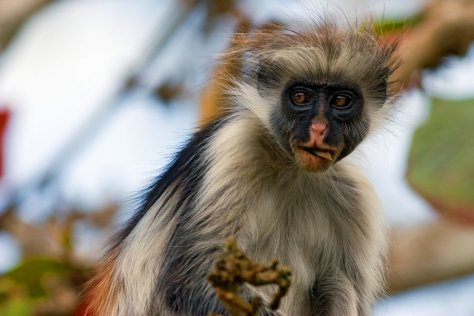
(319, 128)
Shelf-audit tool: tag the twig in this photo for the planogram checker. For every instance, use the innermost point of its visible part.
(233, 268)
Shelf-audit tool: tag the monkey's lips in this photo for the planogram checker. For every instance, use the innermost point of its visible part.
(323, 153)
(314, 158)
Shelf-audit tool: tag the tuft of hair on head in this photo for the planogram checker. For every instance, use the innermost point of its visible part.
(326, 47)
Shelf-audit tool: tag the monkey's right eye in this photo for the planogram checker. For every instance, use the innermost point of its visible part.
(300, 97)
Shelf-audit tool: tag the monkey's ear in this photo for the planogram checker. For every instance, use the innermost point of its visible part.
(269, 75)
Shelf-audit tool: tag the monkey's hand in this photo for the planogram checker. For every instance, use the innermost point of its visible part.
(233, 268)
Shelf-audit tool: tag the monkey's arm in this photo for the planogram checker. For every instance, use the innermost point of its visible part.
(213, 208)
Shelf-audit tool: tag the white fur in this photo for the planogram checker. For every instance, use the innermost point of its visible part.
(139, 262)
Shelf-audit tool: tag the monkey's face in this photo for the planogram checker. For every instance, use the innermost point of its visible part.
(320, 89)
(320, 122)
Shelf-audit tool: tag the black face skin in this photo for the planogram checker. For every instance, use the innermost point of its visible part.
(338, 104)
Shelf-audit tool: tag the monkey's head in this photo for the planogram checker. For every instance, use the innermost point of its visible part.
(319, 90)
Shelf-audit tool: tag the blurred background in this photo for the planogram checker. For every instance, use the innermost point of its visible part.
(96, 95)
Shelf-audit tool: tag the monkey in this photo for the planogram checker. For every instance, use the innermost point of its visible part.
(275, 171)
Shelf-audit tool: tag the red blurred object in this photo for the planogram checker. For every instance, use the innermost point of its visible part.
(4, 119)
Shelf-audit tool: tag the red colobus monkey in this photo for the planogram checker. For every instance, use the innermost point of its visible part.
(273, 172)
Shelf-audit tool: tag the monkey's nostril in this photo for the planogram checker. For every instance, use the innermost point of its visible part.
(319, 128)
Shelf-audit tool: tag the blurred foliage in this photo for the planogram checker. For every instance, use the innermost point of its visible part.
(50, 276)
(169, 91)
(215, 11)
(440, 165)
(41, 286)
(33, 273)
(13, 14)
(387, 26)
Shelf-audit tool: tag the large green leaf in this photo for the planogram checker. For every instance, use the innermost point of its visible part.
(441, 160)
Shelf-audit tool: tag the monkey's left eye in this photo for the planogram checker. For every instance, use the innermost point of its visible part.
(300, 97)
(341, 101)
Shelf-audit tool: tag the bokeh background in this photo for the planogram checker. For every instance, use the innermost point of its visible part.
(96, 95)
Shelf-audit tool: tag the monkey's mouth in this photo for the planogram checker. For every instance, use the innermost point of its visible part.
(314, 158)
(327, 154)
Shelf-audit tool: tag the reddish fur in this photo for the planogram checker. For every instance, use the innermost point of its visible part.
(103, 290)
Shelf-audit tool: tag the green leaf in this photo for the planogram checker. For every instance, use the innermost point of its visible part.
(17, 307)
(386, 26)
(32, 272)
(441, 160)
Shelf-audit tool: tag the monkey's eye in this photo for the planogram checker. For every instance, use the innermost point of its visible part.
(341, 101)
(300, 97)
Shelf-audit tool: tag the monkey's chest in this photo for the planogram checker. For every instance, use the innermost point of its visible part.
(297, 232)
(302, 238)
